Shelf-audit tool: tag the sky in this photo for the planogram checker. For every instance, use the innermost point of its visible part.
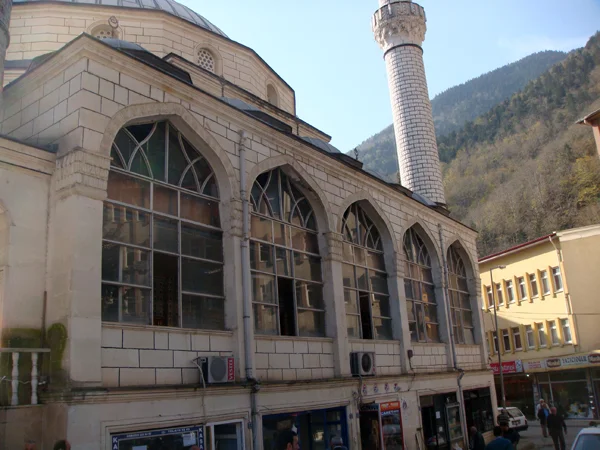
(326, 52)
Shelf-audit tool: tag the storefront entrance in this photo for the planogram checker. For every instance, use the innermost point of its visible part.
(519, 393)
(381, 426)
(568, 391)
(440, 415)
(478, 409)
(313, 428)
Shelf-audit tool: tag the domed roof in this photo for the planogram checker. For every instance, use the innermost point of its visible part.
(168, 6)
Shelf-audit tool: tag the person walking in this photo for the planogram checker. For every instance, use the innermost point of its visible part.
(557, 429)
(542, 414)
(62, 445)
(499, 442)
(511, 434)
(476, 440)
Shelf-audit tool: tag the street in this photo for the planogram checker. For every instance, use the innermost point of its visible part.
(534, 434)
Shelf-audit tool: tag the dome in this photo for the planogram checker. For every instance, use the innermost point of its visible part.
(168, 6)
(125, 45)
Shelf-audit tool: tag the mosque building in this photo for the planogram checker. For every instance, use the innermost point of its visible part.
(185, 262)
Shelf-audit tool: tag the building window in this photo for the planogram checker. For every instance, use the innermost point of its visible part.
(287, 283)
(499, 294)
(510, 291)
(541, 334)
(566, 330)
(554, 332)
(272, 96)
(418, 286)
(103, 32)
(545, 282)
(366, 293)
(534, 286)
(490, 296)
(228, 436)
(206, 60)
(530, 337)
(162, 252)
(506, 340)
(518, 345)
(460, 301)
(522, 289)
(556, 275)
(487, 341)
(496, 342)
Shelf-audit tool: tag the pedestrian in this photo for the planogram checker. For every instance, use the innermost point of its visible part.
(511, 434)
(30, 445)
(476, 440)
(499, 442)
(542, 414)
(557, 429)
(62, 445)
(287, 440)
(336, 442)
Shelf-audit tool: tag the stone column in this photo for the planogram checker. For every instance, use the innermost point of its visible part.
(74, 262)
(399, 28)
(335, 312)
(5, 8)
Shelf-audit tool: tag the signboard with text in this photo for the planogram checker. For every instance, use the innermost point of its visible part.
(507, 367)
(561, 362)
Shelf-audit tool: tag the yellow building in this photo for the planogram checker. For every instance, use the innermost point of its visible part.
(546, 300)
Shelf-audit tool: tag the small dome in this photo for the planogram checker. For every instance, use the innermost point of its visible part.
(123, 45)
(168, 6)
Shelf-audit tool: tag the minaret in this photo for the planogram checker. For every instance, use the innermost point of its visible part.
(5, 7)
(399, 28)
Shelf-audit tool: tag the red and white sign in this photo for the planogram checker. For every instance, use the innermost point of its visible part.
(230, 369)
(507, 367)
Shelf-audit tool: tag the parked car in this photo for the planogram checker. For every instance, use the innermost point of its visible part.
(517, 419)
(587, 439)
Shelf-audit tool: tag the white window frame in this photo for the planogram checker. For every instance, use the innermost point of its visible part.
(566, 325)
(499, 294)
(553, 333)
(534, 286)
(496, 348)
(545, 282)
(522, 288)
(529, 333)
(514, 340)
(242, 443)
(557, 277)
(506, 338)
(510, 291)
(490, 296)
(541, 331)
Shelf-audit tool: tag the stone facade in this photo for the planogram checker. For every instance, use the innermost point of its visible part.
(399, 29)
(61, 121)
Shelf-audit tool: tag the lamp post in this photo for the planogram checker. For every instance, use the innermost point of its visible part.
(497, 335)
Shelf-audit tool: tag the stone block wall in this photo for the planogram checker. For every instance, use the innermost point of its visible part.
(147, 357)
(278, 359)
(469, 357)
(430, 357)
(387, 355)
(36, 30)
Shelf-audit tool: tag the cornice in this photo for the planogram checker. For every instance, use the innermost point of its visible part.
(26, 157)
(399, 23)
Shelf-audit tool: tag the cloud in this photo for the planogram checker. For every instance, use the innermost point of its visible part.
(526, 45)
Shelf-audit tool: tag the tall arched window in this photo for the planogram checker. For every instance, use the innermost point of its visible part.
(366, 293)
(162, 253)
(284, 256)
(272, 96)
(419, 289)
(460, 301)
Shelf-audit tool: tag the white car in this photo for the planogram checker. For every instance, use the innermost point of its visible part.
(587, 439)
(517, 419)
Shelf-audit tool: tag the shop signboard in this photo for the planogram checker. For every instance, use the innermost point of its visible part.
(580, 360)
(507, 367)
(173, 437)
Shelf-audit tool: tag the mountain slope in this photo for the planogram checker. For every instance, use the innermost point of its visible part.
(525, 168)
(457, 105)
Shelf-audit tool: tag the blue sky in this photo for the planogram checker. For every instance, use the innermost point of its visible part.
(325, 48)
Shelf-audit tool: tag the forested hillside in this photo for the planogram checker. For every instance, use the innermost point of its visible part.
(525, 168)
(457, 105)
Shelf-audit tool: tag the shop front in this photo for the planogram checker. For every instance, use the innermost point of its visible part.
(441, 421)
(215, 436)
(479, 411)
(569, 391)
(381, 426)
(314, 429)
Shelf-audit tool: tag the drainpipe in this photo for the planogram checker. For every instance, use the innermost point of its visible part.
(448, 310)
(245, 254)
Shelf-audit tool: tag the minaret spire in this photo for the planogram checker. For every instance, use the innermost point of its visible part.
(399, 28)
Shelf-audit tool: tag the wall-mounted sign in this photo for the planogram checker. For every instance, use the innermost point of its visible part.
(533, 365)
(166, 436)
(507, 367)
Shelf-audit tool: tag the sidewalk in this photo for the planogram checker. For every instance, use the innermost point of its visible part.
(534, 434)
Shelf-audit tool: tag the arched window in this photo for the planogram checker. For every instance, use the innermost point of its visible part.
(366, 293)
(206, 60)
(103, 32)
(162, 253)
(272, 96)
(284, 256)
(460, 301)
(420, 294)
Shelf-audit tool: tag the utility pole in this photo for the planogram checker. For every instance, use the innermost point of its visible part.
(496, 305)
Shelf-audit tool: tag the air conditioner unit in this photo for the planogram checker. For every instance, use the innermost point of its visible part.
(217, 369)
(362, 364)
